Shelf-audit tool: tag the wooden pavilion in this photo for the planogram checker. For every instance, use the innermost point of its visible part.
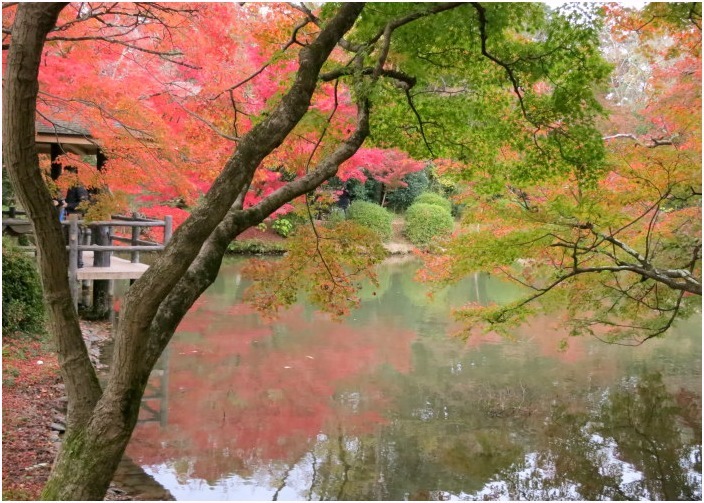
(100, 241)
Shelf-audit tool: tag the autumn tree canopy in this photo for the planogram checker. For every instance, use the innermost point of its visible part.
(620, 245)
(231, 112)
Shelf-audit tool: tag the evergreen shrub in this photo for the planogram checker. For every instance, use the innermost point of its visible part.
(401, 198)
(424, 222)
(256, 247)
(434, 199)
(22, 304)
(372, 216)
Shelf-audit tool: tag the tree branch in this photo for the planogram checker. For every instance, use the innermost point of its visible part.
(481, 13)
(204, 268)
(654, 142)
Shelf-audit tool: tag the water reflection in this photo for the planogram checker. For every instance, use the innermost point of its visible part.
(387, 406)
(642, 442)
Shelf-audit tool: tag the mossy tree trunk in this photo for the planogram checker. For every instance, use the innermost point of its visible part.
(31, 25)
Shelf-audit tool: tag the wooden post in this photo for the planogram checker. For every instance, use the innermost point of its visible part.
(101, 287)
(13, 212)
(73, 257)
(86, 283)
(101, 236)
(135, 238)
(168, 228)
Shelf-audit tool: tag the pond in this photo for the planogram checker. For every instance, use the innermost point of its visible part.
(388, 405)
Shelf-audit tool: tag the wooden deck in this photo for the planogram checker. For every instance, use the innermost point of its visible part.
(119, 269)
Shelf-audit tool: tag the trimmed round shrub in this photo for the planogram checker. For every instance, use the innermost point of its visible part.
(424, 222)
(434, 199)
(372, 216)
(22, 305)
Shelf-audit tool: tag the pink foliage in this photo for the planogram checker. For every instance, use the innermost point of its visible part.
(387, 166)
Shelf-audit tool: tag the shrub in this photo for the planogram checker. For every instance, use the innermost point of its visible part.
(434, 199)
(256, 247)
(22, 305)
(427, 221)
(336, 216)
(401, 198)
(372, 216)
(283, 227)
(362, 191)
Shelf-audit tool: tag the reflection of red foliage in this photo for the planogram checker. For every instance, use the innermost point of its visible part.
(241, 390)
(542, 331)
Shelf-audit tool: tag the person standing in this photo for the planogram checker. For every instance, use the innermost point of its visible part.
(344, 200)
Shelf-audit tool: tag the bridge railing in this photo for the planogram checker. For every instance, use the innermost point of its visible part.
(103, 237)
(104, 234)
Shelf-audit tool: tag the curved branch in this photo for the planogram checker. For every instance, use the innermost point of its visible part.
(204, 268)
(409, 99)
(408, 81)
(481, 13)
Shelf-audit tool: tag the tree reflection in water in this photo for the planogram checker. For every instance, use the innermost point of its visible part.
(638, 442)
(387, 407)
(643, 442)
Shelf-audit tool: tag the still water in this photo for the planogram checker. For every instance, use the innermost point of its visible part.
(389, 406)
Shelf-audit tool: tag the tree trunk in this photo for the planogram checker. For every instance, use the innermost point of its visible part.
(32, 23)
(86, 463)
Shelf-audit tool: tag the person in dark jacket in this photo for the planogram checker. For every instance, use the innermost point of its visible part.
(344, 200)
(75, 196)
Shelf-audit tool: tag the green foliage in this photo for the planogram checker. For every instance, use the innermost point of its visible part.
(401, 198)
(373, 217)
(424, 222)
(366, 191)
(551, 57)
(336, 216)
(282, 226)
(434, 199)
(22, 305)
(256, 247)
(326, 263)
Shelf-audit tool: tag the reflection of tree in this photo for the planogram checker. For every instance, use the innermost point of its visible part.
(645, 424)
(636, 445)
(261, 396)
(386, 407)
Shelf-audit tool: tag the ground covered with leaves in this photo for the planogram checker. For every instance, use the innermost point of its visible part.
(31, 397)
(33, 414)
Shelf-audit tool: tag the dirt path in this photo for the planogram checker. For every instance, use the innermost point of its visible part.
(398, 244)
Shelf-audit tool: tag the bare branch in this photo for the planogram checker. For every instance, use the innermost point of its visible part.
(409, 99)
(654, 142)
(408, 81)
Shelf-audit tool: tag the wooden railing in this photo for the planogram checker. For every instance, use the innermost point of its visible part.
(14, 221)
(104, 235)
(12, 212)
(99, 237)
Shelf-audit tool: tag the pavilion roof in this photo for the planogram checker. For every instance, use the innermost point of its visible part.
(62, 127)
(72, 136)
